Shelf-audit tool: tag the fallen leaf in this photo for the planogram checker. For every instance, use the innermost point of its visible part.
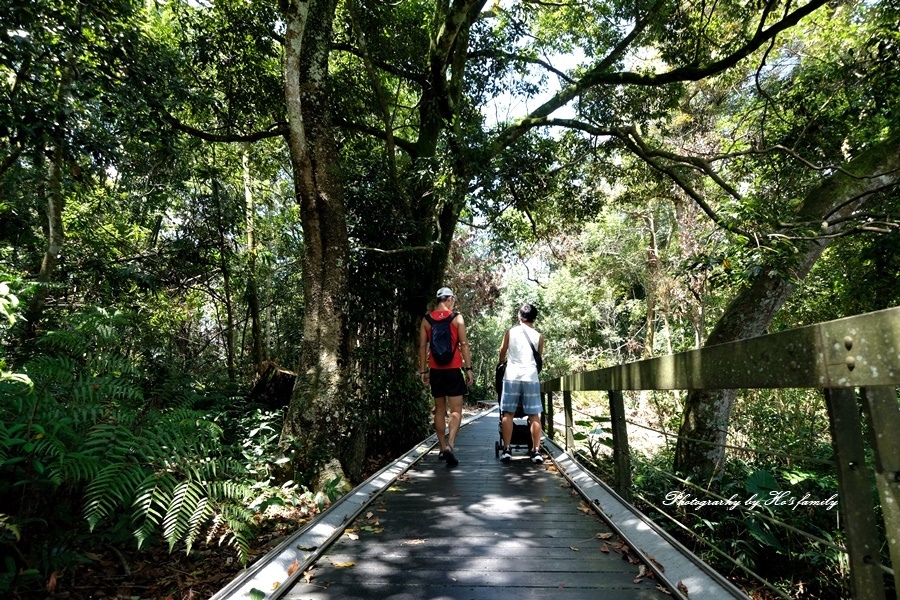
(307, 576)
(370, 514)
(353, 536)
(604, 536)
(276, 585)
(661, 568)
(413, 542)
(638, 579)
(293, 568)
(545, 499)
(642, 571)
(343, 565)
(51, 583)
(604, 548)
(663, 590)
(574, 549)
(682, 588)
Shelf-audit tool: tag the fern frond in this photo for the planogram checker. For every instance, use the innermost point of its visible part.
(200, 516)
(151, 500)
(187, 497)
(113, 486)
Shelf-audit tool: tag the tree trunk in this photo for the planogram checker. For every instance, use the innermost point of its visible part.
(316, 419)
(225, 268)
(256, 342)
(55, 199)
(704, 427)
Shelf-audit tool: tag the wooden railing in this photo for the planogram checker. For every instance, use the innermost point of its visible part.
(855, 362)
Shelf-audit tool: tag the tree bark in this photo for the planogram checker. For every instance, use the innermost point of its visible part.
(707, 413)
(256, 342)
(55, 199)
(315, 422)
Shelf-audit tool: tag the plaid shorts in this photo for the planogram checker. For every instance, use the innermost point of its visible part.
(528, 391)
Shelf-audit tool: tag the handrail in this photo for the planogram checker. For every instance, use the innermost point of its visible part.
(859, 351)
(837, 357)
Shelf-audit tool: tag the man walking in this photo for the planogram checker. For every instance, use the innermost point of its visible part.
(443, 353)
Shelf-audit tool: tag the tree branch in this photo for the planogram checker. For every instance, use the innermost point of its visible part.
(598, 74)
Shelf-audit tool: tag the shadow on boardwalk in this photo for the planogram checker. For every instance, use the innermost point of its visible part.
(480, 530)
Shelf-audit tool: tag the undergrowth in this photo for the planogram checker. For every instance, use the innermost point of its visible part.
(99, 445)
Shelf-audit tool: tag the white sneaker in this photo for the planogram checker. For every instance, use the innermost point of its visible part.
(506, 455)
(536, 456)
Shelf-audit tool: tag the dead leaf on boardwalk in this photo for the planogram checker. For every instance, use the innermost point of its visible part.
(574, 549)
(370, 514)
(353, 536)
(276, 585)
(663, 590)
(294, 566)
(661, 568)
(343, 565)
(638, 579)
(413, 542)
(604, 536)
(545, 499)
(642, 571)
(604, 548)
(682, 588)
(307, 576)
(586, 508)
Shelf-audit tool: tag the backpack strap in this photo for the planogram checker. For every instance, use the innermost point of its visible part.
(431, 320)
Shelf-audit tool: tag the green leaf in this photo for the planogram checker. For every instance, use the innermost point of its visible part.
(761, 482)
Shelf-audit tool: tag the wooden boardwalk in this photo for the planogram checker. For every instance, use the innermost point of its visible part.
(481, 530)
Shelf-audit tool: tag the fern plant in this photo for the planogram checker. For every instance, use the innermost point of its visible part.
(76, 428)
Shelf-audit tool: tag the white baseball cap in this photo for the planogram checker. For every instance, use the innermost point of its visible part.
(445, 291)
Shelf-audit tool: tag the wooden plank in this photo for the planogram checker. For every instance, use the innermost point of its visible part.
(484, 529)
(858, 351)
(883, 415)
(855, 488)
(677, 564)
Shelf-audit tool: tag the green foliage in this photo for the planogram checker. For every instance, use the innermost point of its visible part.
(83, 434)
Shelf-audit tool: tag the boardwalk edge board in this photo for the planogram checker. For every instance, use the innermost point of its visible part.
(654, 544)
(270, 574)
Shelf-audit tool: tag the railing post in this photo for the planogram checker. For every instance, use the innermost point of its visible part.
(880, 407)
(855, 494)
(547, 425)
(621, 452)
(570, 424)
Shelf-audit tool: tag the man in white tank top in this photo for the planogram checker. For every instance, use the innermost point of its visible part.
(520, 346)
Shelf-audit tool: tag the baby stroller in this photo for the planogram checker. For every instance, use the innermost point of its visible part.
(521, 433)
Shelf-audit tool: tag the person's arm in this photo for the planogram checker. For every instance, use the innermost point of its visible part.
(464, 349)
(504, 346)
(540, 344)
(423, 352)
